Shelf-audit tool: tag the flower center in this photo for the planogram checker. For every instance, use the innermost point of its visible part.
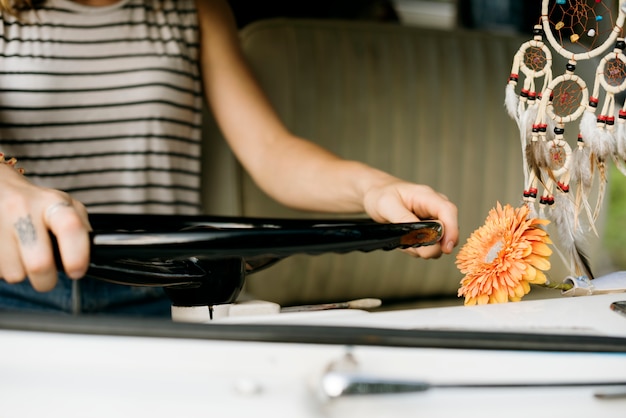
(494, 251)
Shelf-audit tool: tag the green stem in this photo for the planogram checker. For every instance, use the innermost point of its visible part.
(559, 286)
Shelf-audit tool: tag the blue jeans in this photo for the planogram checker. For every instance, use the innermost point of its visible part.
(86, 296)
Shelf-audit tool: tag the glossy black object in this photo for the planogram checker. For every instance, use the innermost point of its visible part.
(202, 260)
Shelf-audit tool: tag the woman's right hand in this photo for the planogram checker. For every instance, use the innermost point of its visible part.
(28, 214)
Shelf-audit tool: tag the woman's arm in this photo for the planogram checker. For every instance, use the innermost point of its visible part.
(292, 170)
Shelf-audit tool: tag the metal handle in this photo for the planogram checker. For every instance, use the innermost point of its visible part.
(340, 384)
(337, 384)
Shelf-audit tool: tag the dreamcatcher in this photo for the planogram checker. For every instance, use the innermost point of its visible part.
(558, 177)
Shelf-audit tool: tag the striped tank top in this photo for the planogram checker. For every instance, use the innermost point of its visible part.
(105, 102)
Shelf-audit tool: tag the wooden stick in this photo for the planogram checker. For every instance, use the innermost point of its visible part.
(367, 303)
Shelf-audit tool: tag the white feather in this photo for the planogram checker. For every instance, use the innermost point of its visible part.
(569, 234)
(581, 168)
(528, 119)
(511, 102)
(620, 165)
(581, 172)
(600, 141)
(602, 170)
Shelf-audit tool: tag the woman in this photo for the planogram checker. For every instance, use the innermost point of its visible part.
(102, 98)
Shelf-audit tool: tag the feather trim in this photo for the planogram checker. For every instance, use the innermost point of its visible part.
(581, 172)
(601, 189)
(570, 236)
(527, 120)
(511, 102)
(581, 168)
(600, 141)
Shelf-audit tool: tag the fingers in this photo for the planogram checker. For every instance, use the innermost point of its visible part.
(67, 220)
(26, 248)
(11, 268)
(447, 214)
(407, 202)
(432, 205)
(35, 252)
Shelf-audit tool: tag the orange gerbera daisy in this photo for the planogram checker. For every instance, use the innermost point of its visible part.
(504, 256)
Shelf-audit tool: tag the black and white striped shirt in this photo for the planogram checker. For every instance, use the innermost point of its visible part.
(104, 102)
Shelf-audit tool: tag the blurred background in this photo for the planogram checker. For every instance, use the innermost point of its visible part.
(494, 15)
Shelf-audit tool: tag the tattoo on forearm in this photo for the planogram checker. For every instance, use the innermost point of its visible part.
(26, 230)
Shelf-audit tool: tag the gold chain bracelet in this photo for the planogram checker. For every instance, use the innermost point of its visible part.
(11, 162)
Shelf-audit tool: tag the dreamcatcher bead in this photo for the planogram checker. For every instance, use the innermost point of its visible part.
(605, 119)
(591, 33)
(537, 30)
(514, 77)
(570, 66)
(622, 114)
(563, 187)
(620, 44)
(559, 26)
(593, 102)
(530, 193)
(574, 38)
(558, 130)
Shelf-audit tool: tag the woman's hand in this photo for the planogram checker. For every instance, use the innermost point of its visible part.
(27, 215)
(400, 201)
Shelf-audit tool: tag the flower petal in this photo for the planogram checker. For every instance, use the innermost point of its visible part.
(541, 249)
(538, 261)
